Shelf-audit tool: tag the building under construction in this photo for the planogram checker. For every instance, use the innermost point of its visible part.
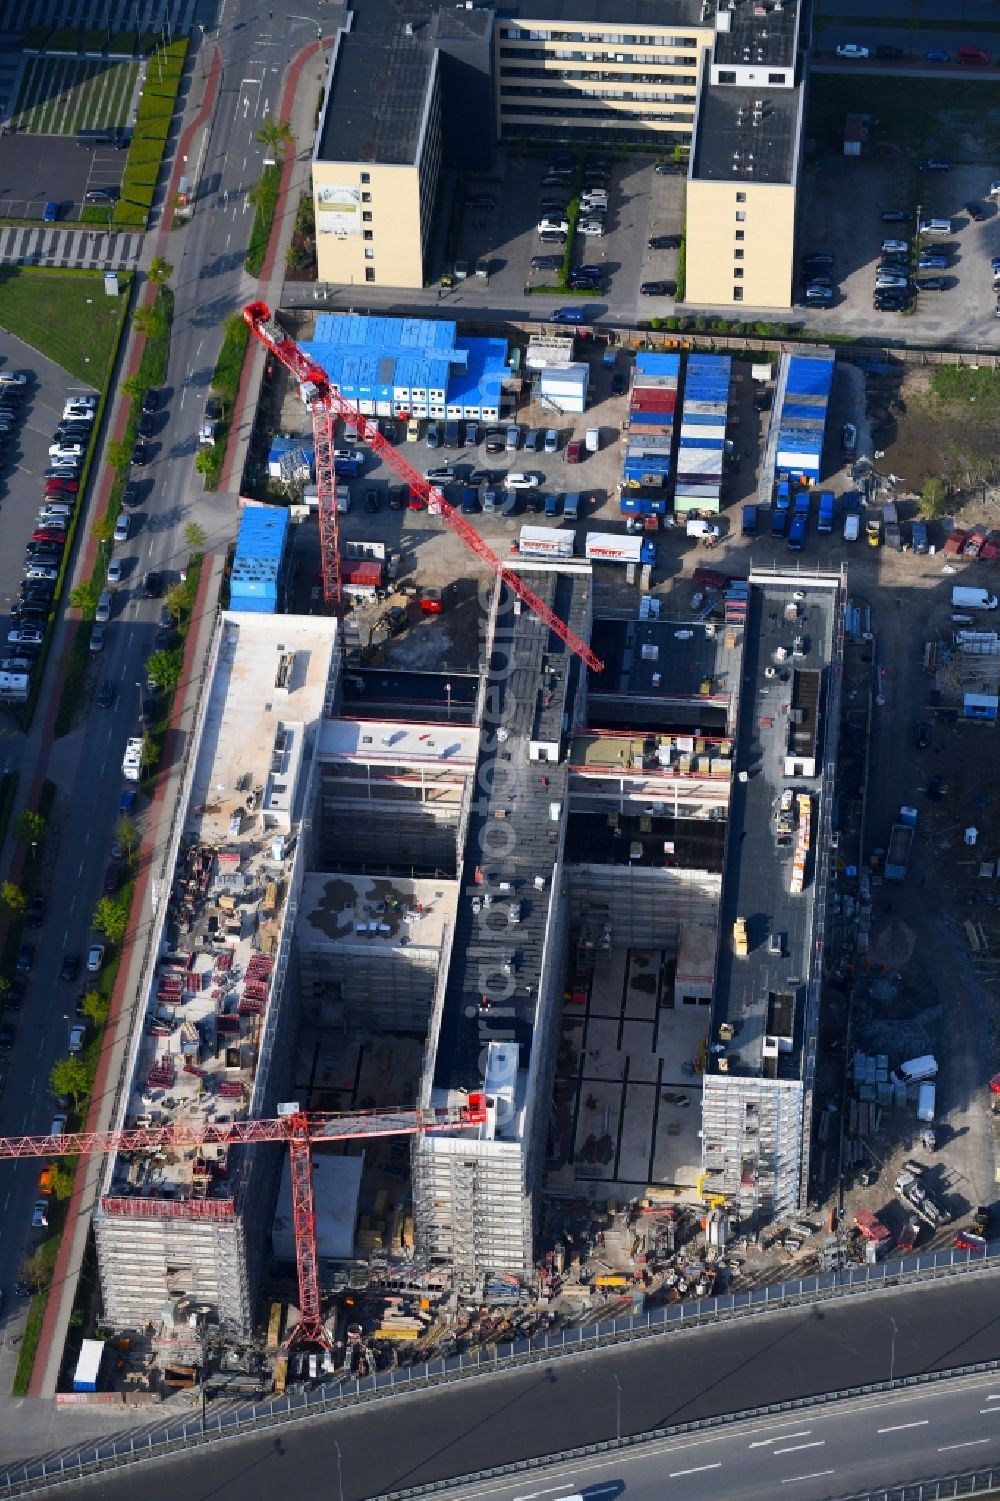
(539, 905)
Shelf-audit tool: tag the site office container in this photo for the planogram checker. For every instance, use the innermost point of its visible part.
(363, 574)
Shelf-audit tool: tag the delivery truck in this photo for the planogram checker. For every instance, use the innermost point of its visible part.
(608, 547)
(827, 508)
(972, 599)
(897, 856)
(544, 542)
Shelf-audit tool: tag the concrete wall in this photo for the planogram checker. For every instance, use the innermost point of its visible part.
(646, 907)
(768, 244)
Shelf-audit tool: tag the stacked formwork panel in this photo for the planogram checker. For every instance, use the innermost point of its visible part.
(703, 433)
(802, 420)
(649, 437)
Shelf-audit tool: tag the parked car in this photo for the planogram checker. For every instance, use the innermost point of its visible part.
(936, 164)
(95, 958)
(574, 451)
(935, 55)
(658, 288)
(664, 242)
(70, 967)
(25, 958)
(852, 49)
(35, 916)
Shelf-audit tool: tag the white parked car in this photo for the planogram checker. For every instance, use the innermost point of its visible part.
(121, 527)
(76, 1035)
(95, 958)
(851, 49)
(528, 479)
(115, 571)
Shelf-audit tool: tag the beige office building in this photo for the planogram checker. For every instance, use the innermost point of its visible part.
(377, 160)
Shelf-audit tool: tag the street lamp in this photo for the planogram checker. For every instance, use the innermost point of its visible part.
(447, 689)
(340, 1473)
(618, 1408)
(892, 1352)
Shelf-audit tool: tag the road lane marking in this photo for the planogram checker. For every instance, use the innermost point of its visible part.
(816, 1475)
(898, 1427)
(762, 1443)
(547, 1492)
(676, 1474)
(969, 1444)
(817, 1443)
(986, 1410)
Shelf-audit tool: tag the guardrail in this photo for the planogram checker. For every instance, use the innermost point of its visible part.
(160, 1439)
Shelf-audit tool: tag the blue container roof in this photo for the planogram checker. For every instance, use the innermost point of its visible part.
(262, 535)
(649, 363)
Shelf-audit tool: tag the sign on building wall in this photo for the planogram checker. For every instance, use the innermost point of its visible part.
(338, 210)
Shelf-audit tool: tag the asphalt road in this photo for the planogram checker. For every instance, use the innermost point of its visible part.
(731, 1368)
(207, 257)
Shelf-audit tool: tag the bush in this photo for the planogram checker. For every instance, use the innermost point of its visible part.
(149, 137)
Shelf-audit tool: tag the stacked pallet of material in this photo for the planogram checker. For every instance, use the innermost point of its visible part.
(803, 840)
(702, 433)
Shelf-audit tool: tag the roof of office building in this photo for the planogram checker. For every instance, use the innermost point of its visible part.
(659, 15)
(382, 75)
(757, 884)
(758, 34)
(746, 135)
(209, 999)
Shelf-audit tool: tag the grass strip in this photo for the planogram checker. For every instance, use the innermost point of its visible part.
(152, 127)
(8, 791)
(264, 196)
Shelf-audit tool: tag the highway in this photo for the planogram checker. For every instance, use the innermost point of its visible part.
(209, 283)
(732, 1368)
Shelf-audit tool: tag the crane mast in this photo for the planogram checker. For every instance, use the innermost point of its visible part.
(301, 1130)
(325, 404)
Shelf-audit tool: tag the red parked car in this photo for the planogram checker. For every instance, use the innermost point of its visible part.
(965, 1240)
(574, 452)
(48, 534)
(974, 542)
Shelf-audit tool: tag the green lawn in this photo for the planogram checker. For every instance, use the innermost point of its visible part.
(939, 118)
(65, 316)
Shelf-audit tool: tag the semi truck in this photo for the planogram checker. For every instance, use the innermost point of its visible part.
(544, 542)
(897, 856)
(608, 547)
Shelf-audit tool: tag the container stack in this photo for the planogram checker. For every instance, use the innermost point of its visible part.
(703, 433)
(650, 429)
(802, 421)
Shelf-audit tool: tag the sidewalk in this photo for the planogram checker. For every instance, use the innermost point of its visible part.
(295, 106)
(129, 993)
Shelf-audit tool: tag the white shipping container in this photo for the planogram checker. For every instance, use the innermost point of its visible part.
(544, 542)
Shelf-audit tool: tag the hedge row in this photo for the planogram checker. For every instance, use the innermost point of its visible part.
(149, 138)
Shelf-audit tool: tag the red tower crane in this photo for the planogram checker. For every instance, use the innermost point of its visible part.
(326, 405)
(300, 1129)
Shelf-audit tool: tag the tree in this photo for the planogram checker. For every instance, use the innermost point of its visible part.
(178, 601)
(84, 598)
(277, 135)
(29, 826)
(71, 1076)
(13, 899)
(164, 669)
(133, 386)
(194, 536)
(159, 271)
(149, 321)
(96, 1007)
(118, 454)
(127, 835)
(933, 497)
(111, 919)
(37, 1268)
(61, 1180)
(150, 750)
(204, 460)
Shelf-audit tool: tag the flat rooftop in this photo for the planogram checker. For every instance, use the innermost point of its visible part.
(750, 990)
(655, 14)
(398, 742)
(666, 659)
(380, 86)
(736, 143)
(759, 34)
(375, 914)
(198, 1050)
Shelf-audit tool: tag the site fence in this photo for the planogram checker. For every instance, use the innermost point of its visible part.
(160, 1439)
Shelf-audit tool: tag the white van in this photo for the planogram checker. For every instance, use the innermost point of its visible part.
(916, 1070)
(553, 226)
(592, 439)
(852, 526)
(972, 599)
(934, 227)
(705, 531)
(925, 1103)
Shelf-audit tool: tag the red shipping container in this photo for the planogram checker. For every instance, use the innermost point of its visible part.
(365, 574)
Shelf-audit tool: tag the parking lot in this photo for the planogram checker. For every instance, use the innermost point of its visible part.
(40, 170)
(842, 201)
(641, 203)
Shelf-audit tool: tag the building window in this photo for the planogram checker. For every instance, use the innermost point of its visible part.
(741, 234)
(369, 273)
(737, 270)
(737, 294)
(741, 214)
(778, 78)
(725, 76)
(369, 255)
(738, 255)
(366, 177)
(366, 216)
(369, 234)
(741, 198)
